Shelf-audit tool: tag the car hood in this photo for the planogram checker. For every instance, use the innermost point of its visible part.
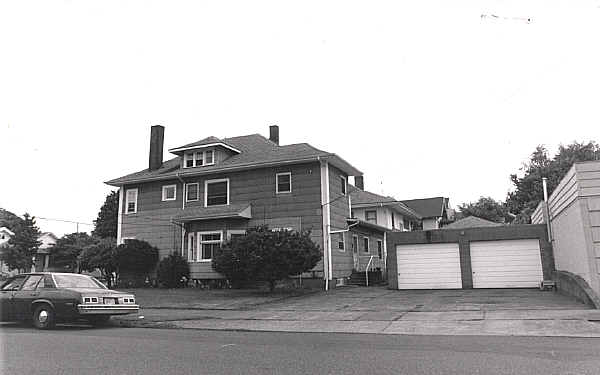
(95, 291)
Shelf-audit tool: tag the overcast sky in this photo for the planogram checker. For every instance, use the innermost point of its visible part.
(426, 98)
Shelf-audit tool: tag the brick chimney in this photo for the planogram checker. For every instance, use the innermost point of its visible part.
(157, 137)
(359, 182)
(274, 134)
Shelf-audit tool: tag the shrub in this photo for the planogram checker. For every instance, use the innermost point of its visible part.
(172, 270)
(265, 255)
(135, 259)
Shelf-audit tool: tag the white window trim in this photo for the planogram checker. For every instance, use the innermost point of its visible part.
(190, 248)
(206, 191)
(368, 249)
(164, 191)
(277, 182)
(127, 212)
(197, 195)
(337, 243)
(186, 157)
(235, 231)
(199, 243)
(345, 189)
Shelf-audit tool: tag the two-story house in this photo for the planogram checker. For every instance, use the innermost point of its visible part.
(214, 189)
(376, 211)
(435, 211)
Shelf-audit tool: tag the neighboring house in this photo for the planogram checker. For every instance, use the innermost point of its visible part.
(434, 211)
(375, 214)
(471, 222)
(42, 258)
(5, 235)
(214, 189)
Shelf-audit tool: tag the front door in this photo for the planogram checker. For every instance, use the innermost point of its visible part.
(355, 253)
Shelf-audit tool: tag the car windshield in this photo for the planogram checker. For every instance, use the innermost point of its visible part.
(77, 281)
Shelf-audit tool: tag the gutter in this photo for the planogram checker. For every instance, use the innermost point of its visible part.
(118, 183)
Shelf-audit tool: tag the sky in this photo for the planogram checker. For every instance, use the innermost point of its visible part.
(426, 98)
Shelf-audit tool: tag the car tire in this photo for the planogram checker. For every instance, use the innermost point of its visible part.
(43, 317)
(99, 320)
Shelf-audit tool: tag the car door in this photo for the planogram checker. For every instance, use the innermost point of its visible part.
(6, 296)
(23, 297)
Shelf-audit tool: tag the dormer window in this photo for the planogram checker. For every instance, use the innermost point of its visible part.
(198, 158)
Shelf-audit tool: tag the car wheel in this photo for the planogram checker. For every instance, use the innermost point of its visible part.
(99, 320)
(43, 317)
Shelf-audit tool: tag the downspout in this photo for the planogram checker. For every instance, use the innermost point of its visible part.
(120, 217)
(547, 208)
(183, 197)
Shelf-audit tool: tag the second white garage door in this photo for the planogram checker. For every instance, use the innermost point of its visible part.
(506, 264)
(431, 266)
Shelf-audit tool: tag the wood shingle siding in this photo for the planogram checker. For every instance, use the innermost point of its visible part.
(342, 261)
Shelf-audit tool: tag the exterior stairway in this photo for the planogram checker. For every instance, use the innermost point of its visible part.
(360, 278)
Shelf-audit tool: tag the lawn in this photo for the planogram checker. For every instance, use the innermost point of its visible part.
(212, 299)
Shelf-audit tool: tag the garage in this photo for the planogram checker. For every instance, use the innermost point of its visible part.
(429, 266)
(506, 264)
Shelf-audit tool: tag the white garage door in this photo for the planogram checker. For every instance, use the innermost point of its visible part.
(506, 264)
(431, 266)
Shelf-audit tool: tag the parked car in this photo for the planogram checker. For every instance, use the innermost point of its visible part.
(48, 297)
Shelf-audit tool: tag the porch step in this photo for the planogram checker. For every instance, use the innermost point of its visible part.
(360, 278)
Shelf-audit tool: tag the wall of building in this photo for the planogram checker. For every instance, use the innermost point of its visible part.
(464, 237)
(339, 209)
(299, 210)
(429, 224)
(574, 211)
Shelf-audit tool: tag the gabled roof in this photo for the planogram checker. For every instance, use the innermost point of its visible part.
(208, 141)
(255, 151)
(361, 198)
(471, 222)
(6, 230)
(428, 207)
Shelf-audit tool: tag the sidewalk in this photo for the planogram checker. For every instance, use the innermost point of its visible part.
(286, 316)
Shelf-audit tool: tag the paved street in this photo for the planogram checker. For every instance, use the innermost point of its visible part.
(513, 312)
(79, 350)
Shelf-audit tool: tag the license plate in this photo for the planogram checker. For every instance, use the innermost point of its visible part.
(109, 301)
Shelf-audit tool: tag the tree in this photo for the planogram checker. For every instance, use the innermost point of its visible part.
(135, 259)
(67, 249)
(172, 270)
(106, 223)
(9, 220)
(101, 255)
(23, 246)
(529, 189)
(486, 208)
(264, 255)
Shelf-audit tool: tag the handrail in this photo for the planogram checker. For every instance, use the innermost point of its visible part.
(367, 270)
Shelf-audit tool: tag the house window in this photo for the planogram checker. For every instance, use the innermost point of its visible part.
(192, 191)
(339, 238)
(209, 157)
(354, 244)
(380, 249)
(235, 234)
(366, 244)
(371, 216)
(131, 201)
(209, 242)
(169, 192)
(393, 221)
(343, 183)
(216, 192)
(283, 183)
(406, 224)
(198, 158)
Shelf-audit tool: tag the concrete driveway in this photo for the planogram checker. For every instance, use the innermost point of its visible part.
(384, 301)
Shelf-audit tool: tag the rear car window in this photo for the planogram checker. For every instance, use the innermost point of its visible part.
(77, 281)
